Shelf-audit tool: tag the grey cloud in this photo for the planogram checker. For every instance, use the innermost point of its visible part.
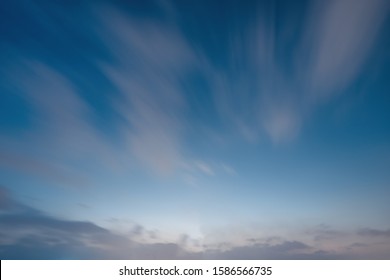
(137, 230)
(25, 230)
(285, 250)
(370, 232)
(41, 222)
(32, 234)
(5, 202)
(41, 168)
(357, 245)
(324, 232)
(9, 205)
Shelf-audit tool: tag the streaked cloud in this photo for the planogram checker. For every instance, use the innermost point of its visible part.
(204, 167)
(61, 131)
(340, 37)
(330, 54)
(150, 59)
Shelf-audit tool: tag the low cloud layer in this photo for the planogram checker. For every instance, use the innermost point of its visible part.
(27, 233)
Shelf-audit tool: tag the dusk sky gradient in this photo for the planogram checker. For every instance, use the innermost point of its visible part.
(195, 129)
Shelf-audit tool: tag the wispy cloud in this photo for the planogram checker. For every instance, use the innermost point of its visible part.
(204, 167)
(150, 59)
(340, 36)
(61, 131)
(328, 54)
(336, 42)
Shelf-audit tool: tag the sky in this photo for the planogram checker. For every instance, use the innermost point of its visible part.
(194, 129)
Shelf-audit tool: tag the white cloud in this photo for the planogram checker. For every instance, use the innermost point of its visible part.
(61, 132)
(150, 59)
(228, 169)
(204, 167)
(336, 42)
(339, 39)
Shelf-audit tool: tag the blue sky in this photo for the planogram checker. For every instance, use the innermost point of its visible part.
(194, 129)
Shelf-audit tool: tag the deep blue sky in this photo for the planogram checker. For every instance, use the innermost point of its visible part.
(194, 129)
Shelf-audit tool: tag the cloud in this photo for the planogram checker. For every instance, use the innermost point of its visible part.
(337, 39)
(147, 64)
(61, 130)
(281, 124)
(257, 90)
(328, 51)
(260, 89)
(341, 37)
(324, 232)
(31, 234)
(5, 202)
(43, 169)
(370, 232)
(288, 250)
(228, 169)
(150, 60)
(9, 205)
(204, 168)
(27, 233)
